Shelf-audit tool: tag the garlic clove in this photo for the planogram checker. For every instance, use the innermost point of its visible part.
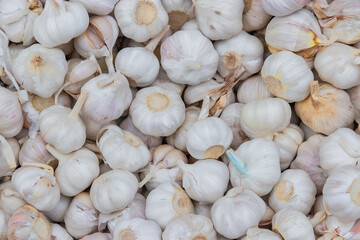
(7, 158)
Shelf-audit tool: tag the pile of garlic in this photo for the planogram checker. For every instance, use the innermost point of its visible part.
(179, 119)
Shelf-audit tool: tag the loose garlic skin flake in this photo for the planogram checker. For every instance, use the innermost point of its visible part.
(103, 7)
(255, 165)
(253, 88)
(157, 112)
(122, 149)
(60, 22)
(283, 7)
(11, 116)
(137, 229)
(287, 76)
(219, 20)
(140, 20)
(189, 226)
(208, 138)
(236, 212)
(295, 189)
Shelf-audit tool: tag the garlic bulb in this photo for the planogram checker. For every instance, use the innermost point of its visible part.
(3, 224)
(28, 223)
(296, 32)
(308, 159)
(33, 150)
(98, 8)
(109, 96)
(157, 112)
(60, 22)
(10, 199)
(205, 181)
(62, 127)
(208, 138)
(7, 159)
(341, 193)
(295, 189)
(140, 20)
(236, 212)
(122, 149)
(137, 228)
(179, 12)
(354, 94)
(166, 202)
(339, 64)
(188, 57)
(292, 224)
(240, 50)
(326, 109)
(136, 209)
(37, 186)
(81, 218)
(190, 25)
(256, 233)
(232, 117)
(189, 226)
(283, 7)
(288, 141)
(58, 232)
(113, 191)
(163, 81)
(253, 88)
(97, 236)
(219, 20)
(255, 165)
(254, 16)
(265, 117)
(57, 214)
(287, 76)
(11, 116)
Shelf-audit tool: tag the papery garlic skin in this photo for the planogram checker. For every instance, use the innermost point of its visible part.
(10, 199)
(254, 16)
(189, 226)
(179, 12)
(291, 224)
(283, 7)
(253, 88)
(240, 50)
(71, 19)
(8, 162)
(166, 202)
(140, 20)
(37, 187)
(122, 149)
(157, 112)
(208, 138)
(137, 228)
(188, 57)
(219, 20)
(295, 189)
(339, 65)
(33, 150)
(57, 214)
(255, 165)
(236, 212)
(256, 233)
(98, 7)
(265, 117)
(113, 191)
(58, 232)
(287, 76)
(81, 218)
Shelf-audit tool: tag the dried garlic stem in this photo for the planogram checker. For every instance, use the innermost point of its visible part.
(78, 105)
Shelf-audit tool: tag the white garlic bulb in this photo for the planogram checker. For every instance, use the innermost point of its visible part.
(10, 199)
(163, 81)
(240, 209)
(58, 232)
(283, 7)
(295, 189)
(166, 202)
(137, 228)
(81, 218)
(219, 20)
(103, 7)
(240, 50)
(256, 233)
(122, 149)
(208, 138)
(287, 76)
(33, 150)
(188, 57)
(7, 159)
(292, 224)
(339, 64)
(265, 117)
(157, 112)
(60, 22)
(37, 186)
(354, 94)
(288, 141)
(255, 165)
(97, 236)
(190, 25)
(205, 181)
(254, 16)
(179, 12)
(62, 127)
(57, 214)
(113, 190)
(341, 193)
(140, 20)
(326, 109)
(253, 88)
(189, 226)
